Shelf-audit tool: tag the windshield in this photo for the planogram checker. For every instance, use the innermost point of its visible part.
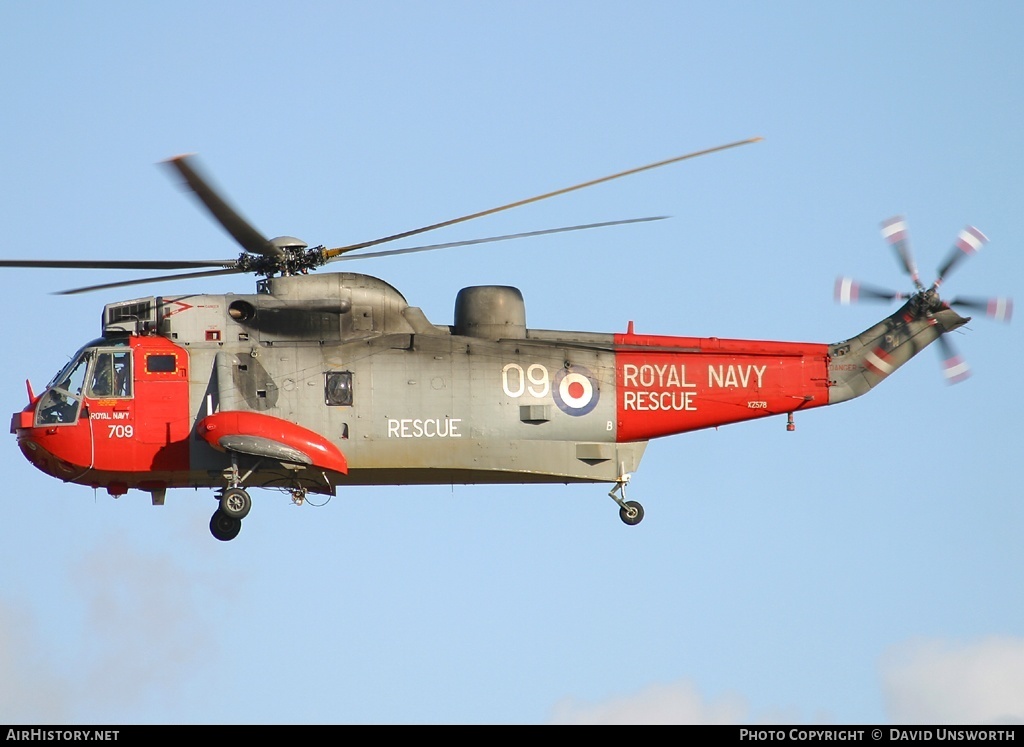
(100, 374)
(63, 397)
(63, 374)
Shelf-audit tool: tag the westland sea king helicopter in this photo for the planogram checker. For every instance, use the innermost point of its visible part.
(317, 382)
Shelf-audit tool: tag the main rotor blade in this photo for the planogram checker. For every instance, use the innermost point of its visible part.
(1000, 309)
(894, 231)
(330, 254)
(240, 229)
(848, 291)
(140, 281)
(954, 367)
(115, 264)
(527, 234)
(968, 243)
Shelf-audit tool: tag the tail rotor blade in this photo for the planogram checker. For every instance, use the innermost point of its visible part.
(894, 231)
(1000, 309)
(848, 291)
(968, 242)
(954, 367)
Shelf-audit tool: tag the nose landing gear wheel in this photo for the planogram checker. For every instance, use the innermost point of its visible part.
(631, 513)
(224, 527)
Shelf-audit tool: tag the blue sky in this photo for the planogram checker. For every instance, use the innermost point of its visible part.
(865, 568)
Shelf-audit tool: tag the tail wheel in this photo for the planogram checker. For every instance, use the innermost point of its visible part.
(631, 513)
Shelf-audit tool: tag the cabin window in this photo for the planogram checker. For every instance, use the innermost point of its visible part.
(338, 388)
(161, 364)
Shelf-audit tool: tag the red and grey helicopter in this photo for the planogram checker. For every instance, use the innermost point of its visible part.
(316, 382)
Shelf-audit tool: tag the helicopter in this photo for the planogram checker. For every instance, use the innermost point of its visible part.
(317, 382)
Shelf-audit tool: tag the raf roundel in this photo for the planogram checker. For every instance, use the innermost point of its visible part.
(576, 391)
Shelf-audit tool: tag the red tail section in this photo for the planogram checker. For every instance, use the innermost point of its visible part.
(672, 385)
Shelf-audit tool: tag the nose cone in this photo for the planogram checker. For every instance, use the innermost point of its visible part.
(22, 427)
(61, 451)
(36, 455)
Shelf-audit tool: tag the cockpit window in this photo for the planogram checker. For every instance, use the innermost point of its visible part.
(75, 377)
(56, 408)
(101, 374)
(112, 375)
(83, 353)
(61, 401)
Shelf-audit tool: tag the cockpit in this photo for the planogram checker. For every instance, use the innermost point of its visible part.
(100, 370)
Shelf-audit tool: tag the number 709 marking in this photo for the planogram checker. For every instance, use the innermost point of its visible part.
(120, 431)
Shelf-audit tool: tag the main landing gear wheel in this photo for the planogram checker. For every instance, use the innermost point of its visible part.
(235, 503)
(224, 527)
(631, 513)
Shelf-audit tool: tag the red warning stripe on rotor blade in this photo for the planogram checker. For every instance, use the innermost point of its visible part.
(1000, 309)
(955, 369)
(894, 230)
(847, 290)
(970, 240)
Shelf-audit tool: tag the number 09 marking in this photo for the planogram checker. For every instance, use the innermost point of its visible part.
(515, 382)
(120, 431)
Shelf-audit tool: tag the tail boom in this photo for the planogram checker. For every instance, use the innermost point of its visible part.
(861, 363)
(668, 385)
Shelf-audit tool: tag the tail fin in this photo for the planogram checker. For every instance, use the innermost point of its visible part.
(859, 364)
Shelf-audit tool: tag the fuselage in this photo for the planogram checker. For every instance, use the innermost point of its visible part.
(345, 359)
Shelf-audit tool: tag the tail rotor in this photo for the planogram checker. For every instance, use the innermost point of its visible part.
(968, 243)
